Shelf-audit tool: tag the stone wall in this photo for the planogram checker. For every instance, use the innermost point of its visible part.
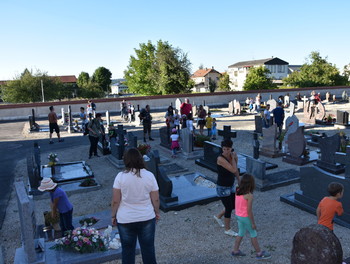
(22, 111)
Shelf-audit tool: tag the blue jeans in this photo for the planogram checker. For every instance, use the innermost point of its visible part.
(144, 232)
(66, 221)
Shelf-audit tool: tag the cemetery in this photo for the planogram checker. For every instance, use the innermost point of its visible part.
(292, 171)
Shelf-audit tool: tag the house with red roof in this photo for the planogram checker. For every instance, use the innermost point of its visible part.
(202, 77)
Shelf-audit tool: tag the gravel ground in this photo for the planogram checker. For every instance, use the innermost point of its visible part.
(190, 235)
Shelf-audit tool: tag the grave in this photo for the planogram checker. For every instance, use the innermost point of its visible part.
(32, 247)
(268, 145)
(290, 112)
(178, 103)
(131, 139)
(292, 124)
(187, 142)
(313, 187)
(33, 126)
(272, 103)
(164, 133)
(342, 121)
(264, 181)
(70, 120)
(258, 124)
(231, 108)
(180, 192)
(237, 107)
(118, 146)
(34, 170)
(329, 146)
(296, 149)
(211, 153)
(314, 113)
(194, 110)
(313, 139)
(300, 106)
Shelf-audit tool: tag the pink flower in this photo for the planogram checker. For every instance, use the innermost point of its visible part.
(85, 239)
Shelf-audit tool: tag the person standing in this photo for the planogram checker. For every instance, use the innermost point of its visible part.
(59, 202)
(209, 124)
(145, 116)
(202, 114)
(227, 172)
(278, 114)
(95, 132)
(89, 111)
(169, 117)
(84, 121)
(53, 124)
(267, 116)
(245, 217)
(258, 102)
(185, 109)
(135, 208)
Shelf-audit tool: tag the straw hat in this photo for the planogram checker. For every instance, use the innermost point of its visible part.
(47, 185)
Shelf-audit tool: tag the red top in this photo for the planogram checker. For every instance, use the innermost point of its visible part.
(185, 109)
(328, 209)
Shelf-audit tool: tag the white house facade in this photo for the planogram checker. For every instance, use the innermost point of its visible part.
(118, 86)
(238, 72)
(202, 77)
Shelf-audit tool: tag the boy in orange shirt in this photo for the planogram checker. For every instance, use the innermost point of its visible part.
(329, 206)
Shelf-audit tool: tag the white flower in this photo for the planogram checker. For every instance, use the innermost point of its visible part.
(75, 239)
(78, 232)
(94, 240)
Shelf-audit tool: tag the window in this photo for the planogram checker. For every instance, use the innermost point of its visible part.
(236, 73)
(280, 68)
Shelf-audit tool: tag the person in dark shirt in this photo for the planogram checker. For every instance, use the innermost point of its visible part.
(145, 116)
(278, 114)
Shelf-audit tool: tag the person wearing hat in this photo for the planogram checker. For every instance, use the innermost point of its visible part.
(59, 202)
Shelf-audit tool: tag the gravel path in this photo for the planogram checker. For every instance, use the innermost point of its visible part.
(190, 235)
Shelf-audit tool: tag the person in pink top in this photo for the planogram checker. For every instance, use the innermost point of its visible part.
(245, 218)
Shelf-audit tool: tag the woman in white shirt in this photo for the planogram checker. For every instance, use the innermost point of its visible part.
(135, 208)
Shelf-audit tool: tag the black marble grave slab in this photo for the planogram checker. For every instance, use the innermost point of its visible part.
(164, 133)
(211, 153)
(189, 193)
(313, 188)
(70, 171)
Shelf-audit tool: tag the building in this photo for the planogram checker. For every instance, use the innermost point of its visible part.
(118, 86)
(238, 72)
(202, 77)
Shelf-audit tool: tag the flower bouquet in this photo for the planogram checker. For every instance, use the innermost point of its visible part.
(88, 221)
(144, 149)
(52, 159)
(82, 240)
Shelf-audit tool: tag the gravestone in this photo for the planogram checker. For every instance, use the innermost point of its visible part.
(70, 120)
(313, 188)
(344, 96)
(68, 172)
(108, 118)
(300, 105)
(32, 246)
(329, 146)
(237, 107)
(178, 104)
(327, 249)
(272, 103)
(265, 181)
(137, 121)
(296, 146)
(344, 158)
(187, 141)
(342, 118)
(226, 133)
(292, 124)
(132, 140)
(34, 170)
(33, 126)
(314, 113)
(290, 112)
(118, 145)
(164, 133)
(268, 145)
(231, 108)
(256, 146)
(194, 110)
(258, 124)
(63, 118)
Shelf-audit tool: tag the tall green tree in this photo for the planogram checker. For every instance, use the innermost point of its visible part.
(258, 79)
(102, 78)
(26, 88)
(224, 82)
(160, 69)
(212, 85)
(83, 79)
(317, 71)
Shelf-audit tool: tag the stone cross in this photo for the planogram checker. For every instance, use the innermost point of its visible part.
(344, 158)
(305, 99)
(226, 133)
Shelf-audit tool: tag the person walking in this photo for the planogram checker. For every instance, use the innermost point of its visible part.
(266, 116)
(135, 208)
(53, 124)
(95, 132)
(227, 172)
(145, 116)
(60, 203)
(202, 114)
(245, 217)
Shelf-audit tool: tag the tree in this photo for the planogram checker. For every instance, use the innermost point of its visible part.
(83, 79)
(212, 85)
(26, 88)
(224, 82)
(160, 69)
(102, 78)
(317, 71)
(201, 66)
(258, 79)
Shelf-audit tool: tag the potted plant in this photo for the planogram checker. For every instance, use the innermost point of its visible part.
(52, 162)
(144, 149)
(199, 140)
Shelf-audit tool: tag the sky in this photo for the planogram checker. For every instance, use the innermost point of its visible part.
(65, 37)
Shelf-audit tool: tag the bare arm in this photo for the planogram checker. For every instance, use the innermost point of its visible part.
(117, 196)
(318, 213)
(155, 202)
(250, 209)
(54, 207)
(231, 167)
